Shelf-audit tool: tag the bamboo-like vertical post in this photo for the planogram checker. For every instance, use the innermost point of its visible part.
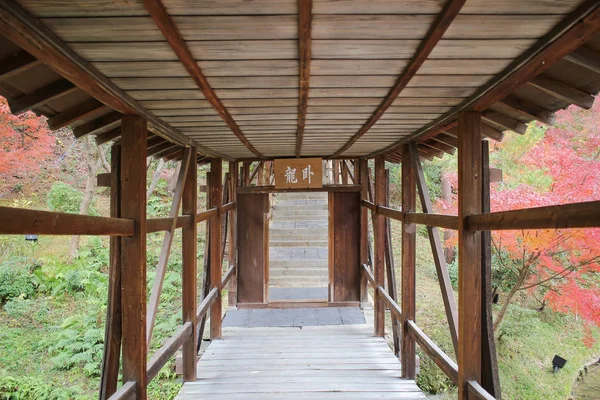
(409, 241)
(189, 237)
(216, 270)
(362, 175)
(379, 265)
(133, 251)
(232, 294)
(112, 336)
(469, 251)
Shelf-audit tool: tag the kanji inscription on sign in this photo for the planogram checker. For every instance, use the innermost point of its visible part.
(298, 173)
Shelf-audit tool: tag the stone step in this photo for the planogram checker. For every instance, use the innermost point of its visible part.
(297, 281)
(298, 243)
(292, 235)
(306, 263)
(298, 271)
(307, 202)
(322, 212)
(300, 217)
(299, 231)
(301, 195)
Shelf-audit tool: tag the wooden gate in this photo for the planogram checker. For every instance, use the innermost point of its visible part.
(253, 247)
(344, 246)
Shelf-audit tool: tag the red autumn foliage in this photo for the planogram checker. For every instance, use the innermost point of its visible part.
(25, 142)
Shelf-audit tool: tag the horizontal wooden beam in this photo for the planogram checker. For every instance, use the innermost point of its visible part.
(40, 96)
(208, 214)
(165, 224)
(79, 112)
(369, 205)
(575, 215)
(369, 274)
(586, 58)
(390, 213)
(391, 304)
(527, 109)
(325, 188)
(17, 63)
(99, 125)
(206, 303)
(437, 220)
(227, 207)
(446, 364)
(563, 92)
(125, 392)
(228, 275)
(104, 180)
(503, 121)
(162, 355)
(477, 392)
(19, 221)
(108, 136)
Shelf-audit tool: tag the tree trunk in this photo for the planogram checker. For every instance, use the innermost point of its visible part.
(523, 274)
(94, 160)
(449, 250)
(155, 178)
(172, 181)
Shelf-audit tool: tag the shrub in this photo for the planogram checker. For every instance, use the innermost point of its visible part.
(16, 279)
(64, 198)
(34, 388)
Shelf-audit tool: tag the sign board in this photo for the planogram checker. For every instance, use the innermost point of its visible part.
(298, 173)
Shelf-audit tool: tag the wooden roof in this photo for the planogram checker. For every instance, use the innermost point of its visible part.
(282, 78)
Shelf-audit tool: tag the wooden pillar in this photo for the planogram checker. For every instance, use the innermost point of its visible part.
(233, 168)
(362, 175)
(246, 173)
(189, 237)
(133, 251)
(216, 200)
(112, 336)
(379, 267)
(336, 172)
(344, 167)
(261, 174)
(469, 251)
(409, 241)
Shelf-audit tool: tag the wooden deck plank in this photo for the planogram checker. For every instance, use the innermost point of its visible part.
(324, 362)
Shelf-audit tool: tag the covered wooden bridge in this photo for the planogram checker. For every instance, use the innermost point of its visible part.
(252, 81)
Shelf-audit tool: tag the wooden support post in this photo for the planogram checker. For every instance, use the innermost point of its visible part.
(344, 168)
(133, 251)
(233, 168)
(363, 172)
(469, 251)
(409, 242)
(189, 240)
(260, 181)
(246, 173)
(390, 268)
(112, 336)
(379, 267)
(206, 265)
(490, 379)
(216, 200)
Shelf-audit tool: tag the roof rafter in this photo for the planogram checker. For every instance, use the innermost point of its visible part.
(167, 26)
(305, 46)
(31, 35)
(17, 63)
(435, 33)
(568, 36)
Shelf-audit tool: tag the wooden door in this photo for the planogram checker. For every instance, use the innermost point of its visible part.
(253, 247)
(344, 246)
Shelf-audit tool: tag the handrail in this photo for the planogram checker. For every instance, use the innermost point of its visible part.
(125, 392)
(574, 215)
(208, 214)
(391, 213)
(20, 221)
(227, 207)
(392, 305)
(369, 275)
(369, 205)
(437, 220)
(442, 360)
(164, 224)
(227, 275)
(162, 355)
(206, 303)
(477, 392)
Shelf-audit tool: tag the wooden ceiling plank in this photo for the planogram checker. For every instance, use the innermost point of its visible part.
(574, 31)
(171, 33)
(79, 112)
(305, 47)
(167, 152)
(99, 125)
(40, 96)
(160, 148)
(17, 63)
(437, 30)
(563, 91)
(439, 146)
(108, 136)
(585, 57)
(27, 32)
(503, 121)
(528, 109)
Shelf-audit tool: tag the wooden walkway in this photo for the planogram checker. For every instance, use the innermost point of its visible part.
(316, 363)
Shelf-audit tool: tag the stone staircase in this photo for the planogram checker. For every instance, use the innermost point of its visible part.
(298, 239)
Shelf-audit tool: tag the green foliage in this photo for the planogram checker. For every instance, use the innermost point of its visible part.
(433, 176)
(64, 198)
(16, 279)
(158, 204)
(432, 379)
(36, 388)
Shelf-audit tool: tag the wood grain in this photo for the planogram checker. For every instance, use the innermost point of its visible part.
(305, 46)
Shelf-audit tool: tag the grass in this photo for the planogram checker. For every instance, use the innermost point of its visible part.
(526, 341)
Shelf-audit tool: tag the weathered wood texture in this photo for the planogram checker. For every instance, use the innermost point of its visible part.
(133, 252)
(252, 257)
(379, 232)
(305, 50)
(232, 293)
(409, 242)
(344, 245)
(469, 251)
(390, 270)
(363, 170)
(216, 268)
